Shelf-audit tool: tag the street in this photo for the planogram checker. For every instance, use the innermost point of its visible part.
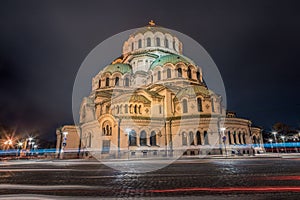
(252, 178)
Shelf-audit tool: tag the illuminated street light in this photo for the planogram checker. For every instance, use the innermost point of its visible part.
(275, 133)
(271, 140)
(282, 137)
(20, 144)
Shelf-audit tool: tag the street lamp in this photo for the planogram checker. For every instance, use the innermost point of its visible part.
(224, 138)
(64, 143)
(128, 130)
(282, 137)
(19, 147)
(271, 140)
(275, 133)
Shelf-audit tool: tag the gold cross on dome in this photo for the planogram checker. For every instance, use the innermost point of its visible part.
(152, 23)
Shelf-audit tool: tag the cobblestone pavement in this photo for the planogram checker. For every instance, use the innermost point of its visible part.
(265, 178)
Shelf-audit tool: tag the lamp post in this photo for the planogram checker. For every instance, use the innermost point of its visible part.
(275, 133)
(282, 137)
(35, 149)
(64, 143)
(19, 147)
(224, 139)
(128, 130)
(271, 140)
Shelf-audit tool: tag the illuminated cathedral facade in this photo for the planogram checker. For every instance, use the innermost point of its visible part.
(152, 101)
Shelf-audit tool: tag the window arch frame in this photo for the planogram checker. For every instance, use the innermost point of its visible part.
(198, 138)
(191, 138)
(158, 75)
(184, 139)
(199, 104)
(143, 138)
(148, 41)
(184, 106)
(179, 72)
(169, 73)
(153, 141)
(166, 43)
(158, 43)
(117, 81)
(107, 79)
(139, 43)
(127, 82)
(189, 73)
(132, 139)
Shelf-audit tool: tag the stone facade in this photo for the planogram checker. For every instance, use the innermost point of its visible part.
(152, 101)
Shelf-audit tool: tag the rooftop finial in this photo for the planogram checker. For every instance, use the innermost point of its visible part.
(152, 23)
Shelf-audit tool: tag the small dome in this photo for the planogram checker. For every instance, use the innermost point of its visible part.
(194, 90)
(118, 67)
(171, 58)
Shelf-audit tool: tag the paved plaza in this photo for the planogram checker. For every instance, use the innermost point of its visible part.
(245, 178)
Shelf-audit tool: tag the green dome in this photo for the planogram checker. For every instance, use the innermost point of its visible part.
(118, 67)
(171, 58)
(194, 90)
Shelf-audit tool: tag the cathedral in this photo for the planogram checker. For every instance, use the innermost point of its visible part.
(152, 101)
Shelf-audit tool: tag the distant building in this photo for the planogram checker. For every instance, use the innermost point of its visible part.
(152, 101)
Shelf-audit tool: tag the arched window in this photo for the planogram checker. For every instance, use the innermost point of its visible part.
(121, 109)
(126, 108)
(166, 43)
(189, 73)
(107, 81)
(158, 75)
(135, 109)
(153, 138)
(198, 75)
(212, 105)
(174, 45)
(148, 42)
(191, 137)
(240, 139)
(126, 81)
(184, 106)
(168, 73)
(132, 138)
(132, 46)
(179, 72)
(234, 137)
(199, 104)
(198, 138)
(158, 42)
(184, 139)
(143, 139)
(117, 81)
(139, 43)
(106, 129)
(244, 138)
(206, 138)
(99, 83)
(229, 137)
(130, 109)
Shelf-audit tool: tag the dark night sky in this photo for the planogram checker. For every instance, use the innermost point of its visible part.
(255, 45)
